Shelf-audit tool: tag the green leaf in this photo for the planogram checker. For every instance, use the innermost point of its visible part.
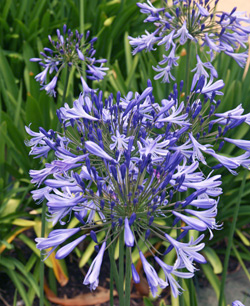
(214, 260)
(213, 280)
(242, 237)
(31, 244)
(237, 254)
(18, 284)
(147, 302)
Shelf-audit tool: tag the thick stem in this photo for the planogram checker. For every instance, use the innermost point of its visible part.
(121, 268)
(42, 263)
(65, 87)
(127, 278)
(187, 68)
(230, 239)
(111, 286)
(181, 298)
(82, 32)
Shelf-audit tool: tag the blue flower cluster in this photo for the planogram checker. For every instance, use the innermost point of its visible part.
(69, 51)
(138, 167)
(196, 22)
(131, 166)
(237, 303)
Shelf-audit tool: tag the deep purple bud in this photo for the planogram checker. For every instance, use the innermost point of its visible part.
(118, 97)
(64, 28)
(233, 10)
(93, 236)
(97, 248)
(123, 171)
(235, 123)
(99, 187)
(197, 111)
(132, 219)
(42, 130)
(171, 193)
(102, 203)
(181, 85)
(167, 180)
(194, 195)
(151, 220)
(222, 31)
(135, 274)
(177, 11)
(210, 126)
(99, 134)
(135, 201)
(113, 171)
(163, 195)
(200, 83)
(221, 145)
(147, 234)
(117, 154)
(120, 220)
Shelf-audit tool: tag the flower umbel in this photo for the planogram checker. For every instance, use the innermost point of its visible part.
(197, 23)
(119, 171)
(69, 50)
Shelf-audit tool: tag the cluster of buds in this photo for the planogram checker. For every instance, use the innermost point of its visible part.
(68, 51)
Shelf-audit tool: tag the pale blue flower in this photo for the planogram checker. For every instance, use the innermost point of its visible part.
(92, 277)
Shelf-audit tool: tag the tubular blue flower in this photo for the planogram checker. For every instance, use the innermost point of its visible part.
(55, 238)
(174, 118)
(237, 303)
(128, 234)
(135, 274)
(93, 148)
(240, 143)
(240, 58)
(92, 277)
(153, 279)
(49, 88)
(196, 224)
(200, 71)
(202, 10)
(68, 248)
(168, 271)
(183, 34)
(149, 8)
(144, 42)
(187, 253)
(208, 217)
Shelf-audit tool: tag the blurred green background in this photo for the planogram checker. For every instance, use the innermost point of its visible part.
(24, 28)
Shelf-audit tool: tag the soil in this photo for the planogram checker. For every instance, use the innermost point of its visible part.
(75, 287)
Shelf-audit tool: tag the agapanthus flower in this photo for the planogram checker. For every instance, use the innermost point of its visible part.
(124, 171)
(69, 50)
(195, 23)
(237, 303)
